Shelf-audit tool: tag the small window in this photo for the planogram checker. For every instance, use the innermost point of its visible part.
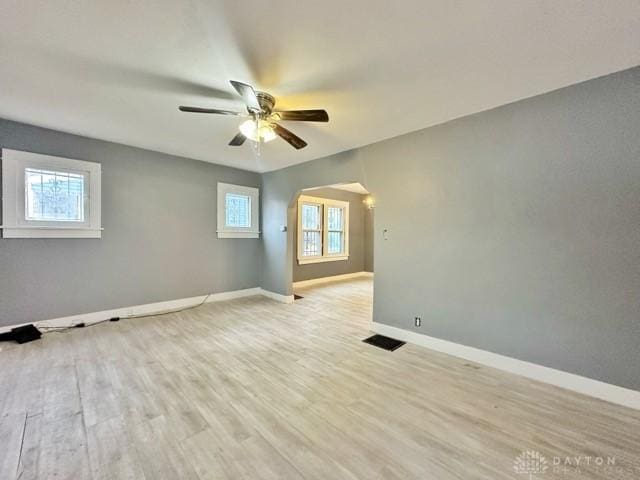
(322, 230)
(54, 196)
(335, 230)
(50, 197)
(238, 211)
(312, 229)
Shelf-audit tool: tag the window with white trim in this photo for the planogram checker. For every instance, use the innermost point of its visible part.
(238, 211)
(323, 230)
(50, 197)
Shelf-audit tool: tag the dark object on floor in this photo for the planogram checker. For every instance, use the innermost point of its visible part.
(297, 297)
(381, 341)
(24, 334)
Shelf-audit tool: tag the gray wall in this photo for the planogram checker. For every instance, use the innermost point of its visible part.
(516, 230)
(368, 239)
(356, 260)
(159, 241)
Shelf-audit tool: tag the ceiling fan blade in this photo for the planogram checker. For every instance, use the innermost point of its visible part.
(207, 110)
(289, 137)
(237, 140)
(304, 115)
(248, 94)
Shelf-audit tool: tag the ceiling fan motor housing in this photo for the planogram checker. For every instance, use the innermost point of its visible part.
(266, 102)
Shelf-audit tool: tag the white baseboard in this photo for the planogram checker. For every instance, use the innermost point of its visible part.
(588, 386)
(277, 296)
(150, 308)
(345, 276)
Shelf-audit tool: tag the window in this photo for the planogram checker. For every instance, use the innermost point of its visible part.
(50, 197)
(335, 230)
(238, 211)
(54, 195)
(323, 230)
(311, 229)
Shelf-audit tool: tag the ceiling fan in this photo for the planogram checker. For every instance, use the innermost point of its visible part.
(262, 125)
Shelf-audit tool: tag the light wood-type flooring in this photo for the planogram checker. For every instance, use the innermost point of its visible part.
(255, 389)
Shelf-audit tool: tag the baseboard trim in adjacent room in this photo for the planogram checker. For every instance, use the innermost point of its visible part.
(587, 386)
(345, 276)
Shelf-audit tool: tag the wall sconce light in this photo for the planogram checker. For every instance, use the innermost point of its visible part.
(369, 202)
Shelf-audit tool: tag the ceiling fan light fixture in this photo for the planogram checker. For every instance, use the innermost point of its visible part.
(257, 130)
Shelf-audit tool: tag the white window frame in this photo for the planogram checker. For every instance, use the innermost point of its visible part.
(326, 203)
(15, 223)
(314, 202)
(253, 230)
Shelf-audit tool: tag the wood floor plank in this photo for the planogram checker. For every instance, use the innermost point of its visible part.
(111, 452)
(11, 438)
(255, 389)
(55, 448)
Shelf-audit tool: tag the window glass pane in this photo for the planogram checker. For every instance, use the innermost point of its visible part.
(312, 244)
(237, 210)
(311, 217)
(54, 196)
(335, 215)
(334, 242)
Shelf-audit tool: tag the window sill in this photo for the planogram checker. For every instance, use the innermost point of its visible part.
(238, 234)
(336, 258)
(50, 232)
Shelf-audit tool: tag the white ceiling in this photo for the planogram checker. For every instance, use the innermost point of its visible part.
(117, 69)
(351, 187)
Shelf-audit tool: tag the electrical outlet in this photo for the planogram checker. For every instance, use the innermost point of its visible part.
(418, 321)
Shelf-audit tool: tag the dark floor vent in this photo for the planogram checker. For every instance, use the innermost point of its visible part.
(381, 341)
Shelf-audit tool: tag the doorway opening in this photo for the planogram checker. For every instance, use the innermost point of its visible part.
(333, 243)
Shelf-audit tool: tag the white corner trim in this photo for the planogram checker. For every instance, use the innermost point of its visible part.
(277, 296)
(334, 278)
(577, 383)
